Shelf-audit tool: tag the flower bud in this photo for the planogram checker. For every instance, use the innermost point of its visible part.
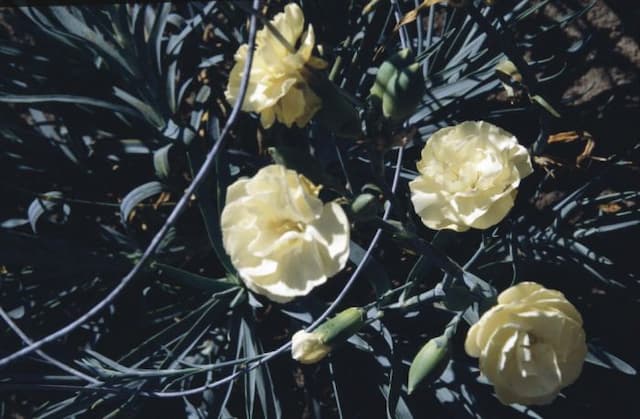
(398, 86)
(309, 348)
(404, 92)
(388, 68)
(427, 359)
(365, 206)
(342, 326)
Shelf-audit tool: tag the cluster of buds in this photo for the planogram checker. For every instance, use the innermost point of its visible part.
(398, 87)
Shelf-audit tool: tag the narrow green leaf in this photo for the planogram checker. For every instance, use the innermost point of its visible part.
(194, 280)
(76, 100)
(546, 105)
(602, 358)
(161, 161)
(149, 113)
(166, 335)
(155, 36)
(78, 28)
(211, 195)
(194, 334)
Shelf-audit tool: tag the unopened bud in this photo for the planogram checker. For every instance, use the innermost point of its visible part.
(426, 361)
(365, 206)
(404, 92)
(398, 86)
(387, 69)
(309, 348)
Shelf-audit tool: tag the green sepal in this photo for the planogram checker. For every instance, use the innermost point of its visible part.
(404, 92)
(365, 207)
(427, 360)
(341, 327)
(388, 69)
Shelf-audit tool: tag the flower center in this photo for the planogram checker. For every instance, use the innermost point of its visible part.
(284, 226)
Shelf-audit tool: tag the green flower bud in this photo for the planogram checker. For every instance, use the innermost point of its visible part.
(426, 361)
(399, 86)
(309, 348)
(388, 69)
(342, 326)
(403, 94)
(365, 206)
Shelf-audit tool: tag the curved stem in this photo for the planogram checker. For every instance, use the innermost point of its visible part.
(45, 356)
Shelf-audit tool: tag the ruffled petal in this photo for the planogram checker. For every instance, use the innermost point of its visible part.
(468, 176)
(312, 104)
(282, 239)
(278, 88)
(290, 107)
(518, 292)
(531, 344)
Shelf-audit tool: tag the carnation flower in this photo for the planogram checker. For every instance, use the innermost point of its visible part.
(283, 240)
(469, 175)
(278, 88)
(531, 344)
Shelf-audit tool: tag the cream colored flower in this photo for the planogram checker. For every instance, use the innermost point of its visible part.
(307, 348)
(277, 85)
(469, 175)
(531, 344)
(283, 240)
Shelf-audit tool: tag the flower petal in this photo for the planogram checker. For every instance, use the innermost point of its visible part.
(282, 239)
(530, 345)
(469, 175)
(278, 88)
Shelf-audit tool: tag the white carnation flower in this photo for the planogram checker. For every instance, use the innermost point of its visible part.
(283, 240)
(469, 175)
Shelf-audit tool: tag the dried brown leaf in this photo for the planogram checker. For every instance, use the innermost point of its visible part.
(413, 14)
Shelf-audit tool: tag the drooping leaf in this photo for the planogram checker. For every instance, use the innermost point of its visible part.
(51, 205)
(136, 196)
